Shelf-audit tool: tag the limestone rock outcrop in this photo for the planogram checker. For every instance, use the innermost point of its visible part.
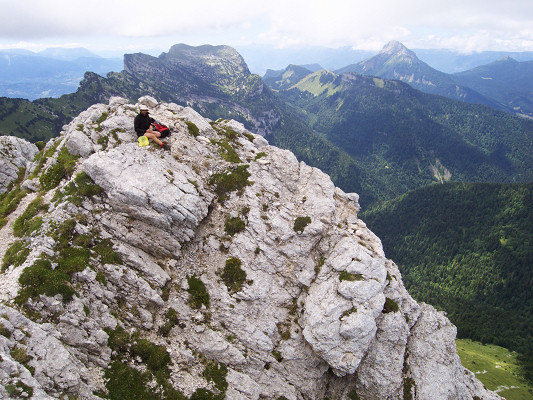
(223, 267)
(15, 153)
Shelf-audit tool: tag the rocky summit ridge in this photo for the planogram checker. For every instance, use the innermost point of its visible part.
(224, 268)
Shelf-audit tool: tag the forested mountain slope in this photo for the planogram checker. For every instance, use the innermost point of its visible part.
(468, 249)
(402, 139)
(506, 80)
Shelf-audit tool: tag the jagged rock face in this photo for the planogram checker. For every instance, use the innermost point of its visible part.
(219, 59)
(300, 300)
(207, 78)
(15, 153)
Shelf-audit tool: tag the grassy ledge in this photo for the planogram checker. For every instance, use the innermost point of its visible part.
(496, 367)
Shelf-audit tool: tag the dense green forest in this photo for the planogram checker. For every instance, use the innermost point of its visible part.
(467, 248)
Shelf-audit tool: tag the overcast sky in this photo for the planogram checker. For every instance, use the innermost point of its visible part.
(152, 26)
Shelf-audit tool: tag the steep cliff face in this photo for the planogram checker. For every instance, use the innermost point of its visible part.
(213, 79)
(224, 268)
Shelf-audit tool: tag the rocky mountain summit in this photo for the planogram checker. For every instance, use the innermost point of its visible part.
(212, 79)
(224, 268)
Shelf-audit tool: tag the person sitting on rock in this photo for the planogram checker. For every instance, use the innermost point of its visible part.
(143, 126)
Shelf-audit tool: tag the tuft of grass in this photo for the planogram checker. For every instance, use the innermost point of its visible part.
(353, 395)
(125, 382)
(82, 186)
(390, 306)
(100, 277)
(408, 384)
(103, 141)
(198, 293)
(260, 155)
(320, 263)
(118, 340)
(63, 168)
(86, 186)
(42, 157)
(233, 275)
(64, 234)
(19, 355)
(102, 118)
(104, 249)
(4, 331)
(233, 225)
(27, 222)
(10, 199)
(347, 276)
(216, 373)
(193, 129)
(9, 202)
(284, 330)
(15, 255)
(249, 136)
(40, 278)
(230, 180)
(19, 390)
(73, 259)
(204, 394)
(300, 223)
(496, 367)
(277, 355)
(227, 152)
(154, 356)
(171, 321)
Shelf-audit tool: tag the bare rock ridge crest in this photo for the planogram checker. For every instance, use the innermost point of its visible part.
(224, 268)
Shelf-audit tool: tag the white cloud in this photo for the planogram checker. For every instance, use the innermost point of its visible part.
(462, 24)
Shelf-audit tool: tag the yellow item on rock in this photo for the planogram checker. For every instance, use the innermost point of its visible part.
(143, 141)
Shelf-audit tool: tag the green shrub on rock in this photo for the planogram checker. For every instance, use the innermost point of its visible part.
(390, 306)
(15, 255)
(154, 356)
(216, 373)
(347, 276)
(198, 294)
(27, 222)
(63, 168)
(233, 275)
(233, 225)
(40, 278)
(300, 223)
(228, 181)
(193, 129)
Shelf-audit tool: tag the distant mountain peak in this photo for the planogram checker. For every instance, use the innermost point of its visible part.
(508, 59)
(66, 53)
(395, 47)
